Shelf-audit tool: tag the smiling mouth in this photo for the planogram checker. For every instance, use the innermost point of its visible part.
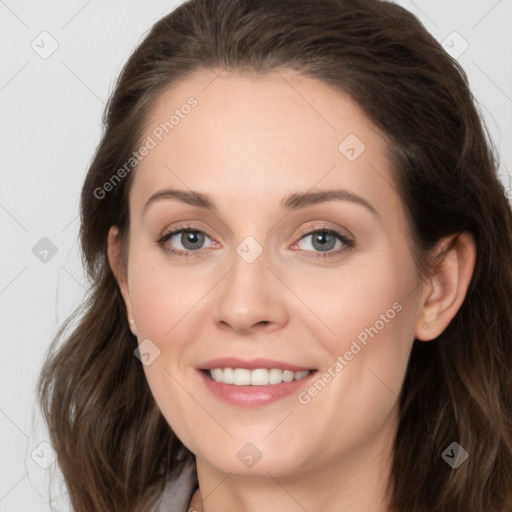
(256, 377)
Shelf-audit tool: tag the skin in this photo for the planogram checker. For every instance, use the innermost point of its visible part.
(251, 141)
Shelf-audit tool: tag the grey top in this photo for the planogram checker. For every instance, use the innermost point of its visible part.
(178, 493)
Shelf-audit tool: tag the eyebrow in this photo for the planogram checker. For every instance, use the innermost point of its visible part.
(294, 201)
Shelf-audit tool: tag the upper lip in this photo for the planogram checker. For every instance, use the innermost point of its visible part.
(250, 364)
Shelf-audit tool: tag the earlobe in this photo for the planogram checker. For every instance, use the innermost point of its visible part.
(449, 283)
(114, 258)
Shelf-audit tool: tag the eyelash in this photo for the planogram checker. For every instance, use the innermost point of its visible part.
(349, 243)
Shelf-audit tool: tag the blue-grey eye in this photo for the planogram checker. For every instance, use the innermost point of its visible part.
(191, 240)
(321, 240)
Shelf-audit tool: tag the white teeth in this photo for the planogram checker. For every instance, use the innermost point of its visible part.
(288, 376)
(217, 374)
(227, 376)
(275, 376)
(301, 375)
(241, 376)
(258, 377)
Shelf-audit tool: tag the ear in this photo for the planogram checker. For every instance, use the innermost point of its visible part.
(448, 285)
(114, 258)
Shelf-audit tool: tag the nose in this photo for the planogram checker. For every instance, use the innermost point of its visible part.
(251, 297)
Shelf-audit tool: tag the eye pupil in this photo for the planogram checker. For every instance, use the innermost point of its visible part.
(193, 237)
(324, 239)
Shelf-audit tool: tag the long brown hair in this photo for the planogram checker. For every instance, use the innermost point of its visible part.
(115, 449)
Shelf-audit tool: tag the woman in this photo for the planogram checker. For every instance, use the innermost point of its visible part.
(299, 252)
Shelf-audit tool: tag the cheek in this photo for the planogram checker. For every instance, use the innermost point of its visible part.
(372, 317)
(161, 297)
(161, 294)
(369, 303)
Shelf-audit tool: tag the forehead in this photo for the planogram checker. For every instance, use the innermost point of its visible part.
(260, 137)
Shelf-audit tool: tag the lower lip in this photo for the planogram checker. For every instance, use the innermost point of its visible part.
(254, 396)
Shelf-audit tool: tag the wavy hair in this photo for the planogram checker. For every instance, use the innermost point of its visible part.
(114, 447)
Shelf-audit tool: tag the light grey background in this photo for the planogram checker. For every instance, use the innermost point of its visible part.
(50, 125)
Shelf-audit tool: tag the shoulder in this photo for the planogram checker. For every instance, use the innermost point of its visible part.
(178, 492)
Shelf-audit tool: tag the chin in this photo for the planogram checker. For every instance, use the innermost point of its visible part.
(254, 459)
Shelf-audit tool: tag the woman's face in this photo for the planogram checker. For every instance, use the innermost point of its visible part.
(266, 287)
